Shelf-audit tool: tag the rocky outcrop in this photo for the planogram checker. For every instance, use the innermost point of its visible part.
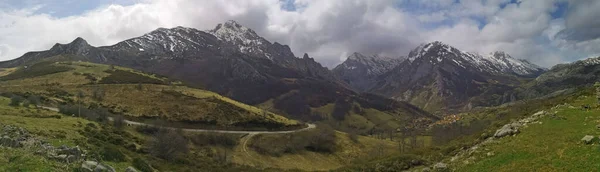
(131, 169)
(93, 166)
(587, 139)
(507, 130)
(14, 137)
(17, 137)
(513, 128)
(63, 153)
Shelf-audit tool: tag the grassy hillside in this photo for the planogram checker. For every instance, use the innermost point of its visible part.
(138, 95)
(99, 142)
(347, 152)
(552, 145)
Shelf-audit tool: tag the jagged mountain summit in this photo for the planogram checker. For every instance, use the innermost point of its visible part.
(437, 76)
(360, 71)
(233, 61)
(495, 63)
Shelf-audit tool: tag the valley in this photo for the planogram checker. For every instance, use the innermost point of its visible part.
(227, 99)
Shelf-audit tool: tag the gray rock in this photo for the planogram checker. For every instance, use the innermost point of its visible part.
(96, 167)
(89, 165)
(131, 169)
(440, 166)
(598, 126)
(508, 129)
(426, 169)
(587, 139)
(72, 158)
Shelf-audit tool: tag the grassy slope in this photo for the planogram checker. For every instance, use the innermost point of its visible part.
(150, 101)
(347, 152)
(69, 131)
(56, 131)
(553, 145)
(371, 118)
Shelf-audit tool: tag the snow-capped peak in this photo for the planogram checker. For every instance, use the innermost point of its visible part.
(496, 62)
(373, 64)
(435, 49)
(244, 38)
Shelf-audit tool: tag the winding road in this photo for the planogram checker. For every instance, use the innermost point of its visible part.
(310, 126)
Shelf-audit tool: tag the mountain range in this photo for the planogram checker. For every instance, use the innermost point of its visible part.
(436, 76)
(235, 61)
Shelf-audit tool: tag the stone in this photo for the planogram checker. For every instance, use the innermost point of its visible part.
(426, 169)
(89, 165)
(130, 169)
(587, 139)
(61, 158)
(508, 129)
(490, 154)
(71, 158)
(96, 167)
(598, 126)
(440, 166)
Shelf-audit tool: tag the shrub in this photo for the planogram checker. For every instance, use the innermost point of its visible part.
(110, 153)
(321, 139)
(98, 94)
(142, 165)
(34, 100)
(168, 144)
(148, 130)
(214, 139)
(15, 100)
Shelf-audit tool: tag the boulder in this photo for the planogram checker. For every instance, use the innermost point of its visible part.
(426, 169)
(587, 139)
(96, 167)
(9, 142)
(130, 169)
(598, 126)
(72, 158)
(508, 129)
(440, 166)
(89, 165)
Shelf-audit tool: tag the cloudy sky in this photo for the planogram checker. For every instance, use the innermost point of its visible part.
(545, 32)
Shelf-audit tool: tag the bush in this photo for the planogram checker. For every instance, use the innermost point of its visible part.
(142, 165)
(321, 139)
(15, 100)
(113, 154)
(147, 130)
(34, 100)
(214, 139)
(98, 94)
(168, 144)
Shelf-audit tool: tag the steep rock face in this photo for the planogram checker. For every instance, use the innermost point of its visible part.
(440, 77)
(361, 72)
